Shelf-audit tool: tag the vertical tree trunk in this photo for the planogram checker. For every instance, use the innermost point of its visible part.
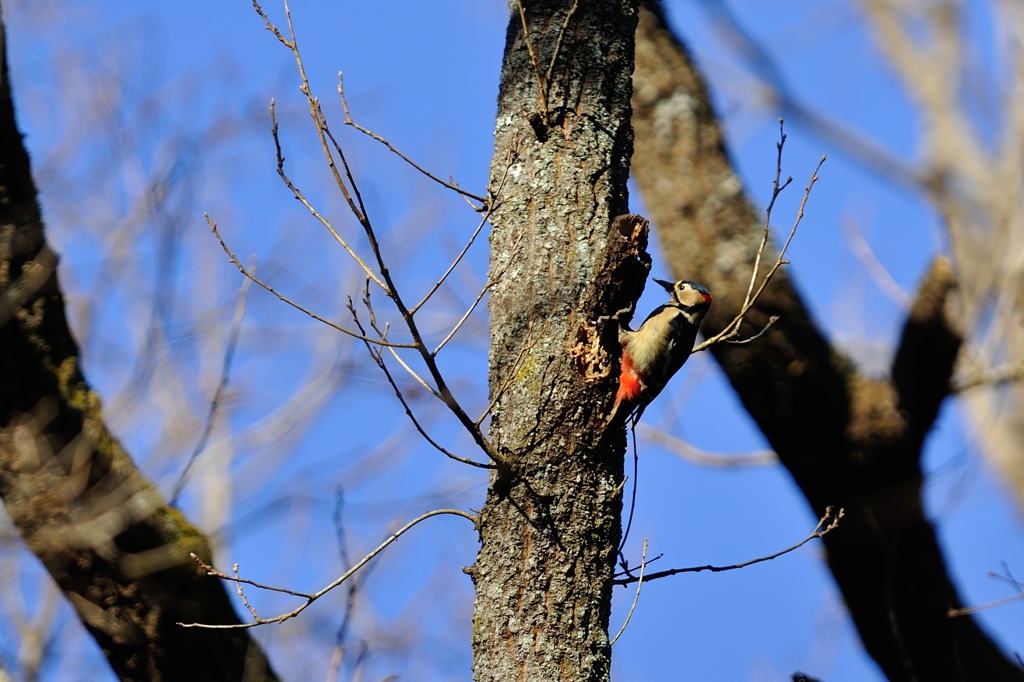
(105, 534)
(551, 522)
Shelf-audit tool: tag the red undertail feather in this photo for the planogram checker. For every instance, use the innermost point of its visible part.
(630, 383)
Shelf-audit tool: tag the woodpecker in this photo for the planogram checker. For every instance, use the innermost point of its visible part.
(656, 351)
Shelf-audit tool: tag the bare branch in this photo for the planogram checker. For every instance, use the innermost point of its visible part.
(484, 203)
(241, 594)
(695, 455)
(558, 46)
(491, 206)
(771, 320)
(731, 330)
(385, 280)
(462, 320)
(820, 531)
(383, 334)
(412, 372)
(352, 593)
(376, 355)
(310, 598)
(451, 268)
(542, 88)
(210, 570)
(242, 269)
(290, 44)
(636, 597)
(883, 280)
(309, 207)
(490, 283)
(967, 610)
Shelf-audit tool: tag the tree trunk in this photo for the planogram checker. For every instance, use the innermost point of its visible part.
(105, 534)
(551, 521)
(848, 440)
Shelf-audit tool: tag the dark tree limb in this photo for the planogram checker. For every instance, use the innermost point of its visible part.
(118, 551)
(848, 440)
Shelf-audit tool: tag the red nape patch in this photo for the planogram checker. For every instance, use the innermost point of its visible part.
(630, 384)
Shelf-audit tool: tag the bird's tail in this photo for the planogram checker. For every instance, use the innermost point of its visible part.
(628, 396)
(631, 384)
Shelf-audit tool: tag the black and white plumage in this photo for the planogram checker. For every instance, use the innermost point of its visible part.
(652, 354)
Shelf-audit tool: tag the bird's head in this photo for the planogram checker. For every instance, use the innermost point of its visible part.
(687, 294)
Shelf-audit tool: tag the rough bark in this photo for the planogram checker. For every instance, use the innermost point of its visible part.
(848, 440)
(551, 521)
(105, 534)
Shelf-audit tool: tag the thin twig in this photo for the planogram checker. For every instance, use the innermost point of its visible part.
(413, 373)
(358, 209)
(310, 598)
(211, 571)
(967, 610)
(695, 455)
(771, 320)
(229, 354)
(732, 329)
(451, 268)
(383, 334)
(776, 191)
(450, 185)
(360, 212)
(558, 47)
(492, 205)
(319, 123)
(377, 357)
(869, 261)
(490, 283)
(820, 531)
(241, 593)
(351, 592)
(309, 207)
(636, 597)
(242, 269)
(542, 90)
(462, 320)
(271, 27)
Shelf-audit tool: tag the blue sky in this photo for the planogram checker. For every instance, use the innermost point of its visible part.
(114, 94)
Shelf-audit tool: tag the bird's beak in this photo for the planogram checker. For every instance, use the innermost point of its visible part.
(668, 286)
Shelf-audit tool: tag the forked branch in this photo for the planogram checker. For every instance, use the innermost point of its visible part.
(636, 597)
(309, 598)
(544, 79)
(345, 180)
(251, 276)
(375, 354)
(754, 290)
(828, 523)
